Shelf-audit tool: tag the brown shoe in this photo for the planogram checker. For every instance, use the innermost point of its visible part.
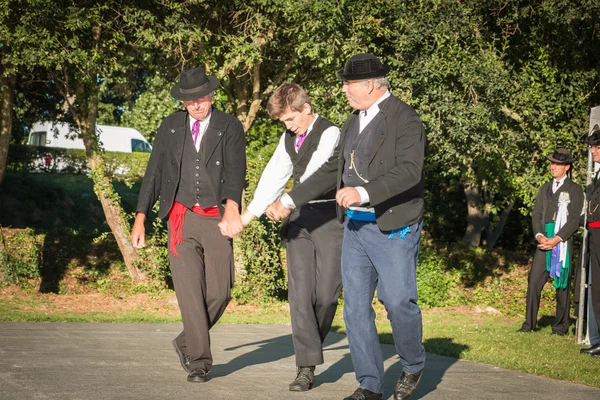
(304, 380)
(198, 375)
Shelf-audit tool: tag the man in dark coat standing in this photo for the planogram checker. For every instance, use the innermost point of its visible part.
(379, 175)
(555, 220)
(593, 227)
(197, 168)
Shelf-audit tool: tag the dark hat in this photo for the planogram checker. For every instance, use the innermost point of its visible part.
(561, 156)
(194, 84)
(594, 138)
(362, 66)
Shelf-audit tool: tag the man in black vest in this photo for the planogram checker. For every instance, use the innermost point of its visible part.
(555, 220)
(379, 175)
(197, 168)
(593, 227)
(312, 232)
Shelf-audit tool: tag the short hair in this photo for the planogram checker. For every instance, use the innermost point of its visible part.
(288, 95)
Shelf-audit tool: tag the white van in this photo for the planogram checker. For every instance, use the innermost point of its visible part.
(112, 138)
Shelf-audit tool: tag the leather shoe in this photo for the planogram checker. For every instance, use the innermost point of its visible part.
(304, 380)
(593, 350)
(407, 385)
(558, 333)
(198, 375)
(364, 394)
(184, 359)
(523, 330)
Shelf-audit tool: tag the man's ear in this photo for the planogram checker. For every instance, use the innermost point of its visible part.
(306, 108)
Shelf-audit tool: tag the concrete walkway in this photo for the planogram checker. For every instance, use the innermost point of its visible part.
(136, 361)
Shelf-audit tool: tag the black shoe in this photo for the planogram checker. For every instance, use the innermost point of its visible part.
(184, 359)
(558, 333)
(407, 385)
(523, 330)
(304, 380)
(595, 349)
(198, 375)
(364, 394)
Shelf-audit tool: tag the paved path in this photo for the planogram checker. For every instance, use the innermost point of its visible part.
(136, 361)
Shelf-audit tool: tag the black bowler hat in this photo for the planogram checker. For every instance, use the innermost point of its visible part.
(594, 138)
(561, 156)
(194, 84)
(362, 66)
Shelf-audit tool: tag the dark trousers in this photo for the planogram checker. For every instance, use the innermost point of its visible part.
(594, 252)
(538, 276)
(314, 246)
(203, 277)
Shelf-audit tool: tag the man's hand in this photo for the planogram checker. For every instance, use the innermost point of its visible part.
(549, 243)
(541, 239)
(277, 211)
(348, 196)
(247, 217)
(138, 232)
(231, 223)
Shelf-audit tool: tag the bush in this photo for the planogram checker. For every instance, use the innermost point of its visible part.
(50, 159)
(20, 255)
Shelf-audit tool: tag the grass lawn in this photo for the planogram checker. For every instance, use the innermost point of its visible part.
(459, 332)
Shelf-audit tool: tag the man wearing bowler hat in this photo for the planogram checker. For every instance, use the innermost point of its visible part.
(197, 168)
(593, 227)
(379, 175)
(555, 220)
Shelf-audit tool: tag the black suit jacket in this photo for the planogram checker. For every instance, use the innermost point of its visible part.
(544, 209)
(395, 167)
(224, 149)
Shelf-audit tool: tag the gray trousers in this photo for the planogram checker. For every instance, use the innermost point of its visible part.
(203, 276)
(314, 246)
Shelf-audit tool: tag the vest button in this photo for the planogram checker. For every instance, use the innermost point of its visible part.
(390, 211)
(168, 181)
(197, 167)
(222, 180)
(172, 161)
(172, 130)
(197, 174)
(217, 162)
(219, 133)
(197, 182)
(197, 160)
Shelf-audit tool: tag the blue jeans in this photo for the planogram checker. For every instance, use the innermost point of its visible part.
(370, 260)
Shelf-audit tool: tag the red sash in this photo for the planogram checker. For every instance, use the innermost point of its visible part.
(593, 224)
(176, 221)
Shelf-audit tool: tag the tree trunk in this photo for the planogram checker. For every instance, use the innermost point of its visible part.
(494, 234)
(109, 199)
(7, 87)
(476, 220)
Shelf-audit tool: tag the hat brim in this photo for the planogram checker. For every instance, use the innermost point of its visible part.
(557, 161)
(592, 140)
(193, 94)
(366, 75)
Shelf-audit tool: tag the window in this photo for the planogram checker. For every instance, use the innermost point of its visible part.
(37, 139)
(139, 146)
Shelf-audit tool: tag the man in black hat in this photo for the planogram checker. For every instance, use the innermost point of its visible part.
(197, 168)
(593, 227)
(555, 220)
(379, 177)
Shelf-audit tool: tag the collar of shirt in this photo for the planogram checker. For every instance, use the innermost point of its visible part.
(310, 127)
(203, 125)
(372, 111)
(557, 183)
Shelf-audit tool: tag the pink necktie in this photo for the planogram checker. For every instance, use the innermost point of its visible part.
(195, 131)
(300, 140)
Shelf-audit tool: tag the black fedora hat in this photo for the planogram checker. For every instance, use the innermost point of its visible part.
(362, 66)
(561, 156)
(194, 84)
(594, 138)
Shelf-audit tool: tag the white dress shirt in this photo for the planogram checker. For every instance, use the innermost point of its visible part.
(280, 167)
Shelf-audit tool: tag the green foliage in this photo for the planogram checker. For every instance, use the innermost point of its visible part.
(435, 282)
(258, 250)
(74, 161)
(20, 255)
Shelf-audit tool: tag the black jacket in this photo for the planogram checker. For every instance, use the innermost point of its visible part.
(224, 149)
(396, 168)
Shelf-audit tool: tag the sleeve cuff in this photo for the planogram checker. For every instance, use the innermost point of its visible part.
(364, 196)
(287, 201)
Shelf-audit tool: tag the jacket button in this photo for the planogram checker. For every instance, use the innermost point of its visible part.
(222, 180)
(390, 211)
(381, 162)
(219, 133)
(172, 130)
(172, 161)
(218, 162)
(168, 181)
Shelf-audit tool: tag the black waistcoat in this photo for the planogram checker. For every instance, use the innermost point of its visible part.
(194, 185)
(301, 158)
(359, 147)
